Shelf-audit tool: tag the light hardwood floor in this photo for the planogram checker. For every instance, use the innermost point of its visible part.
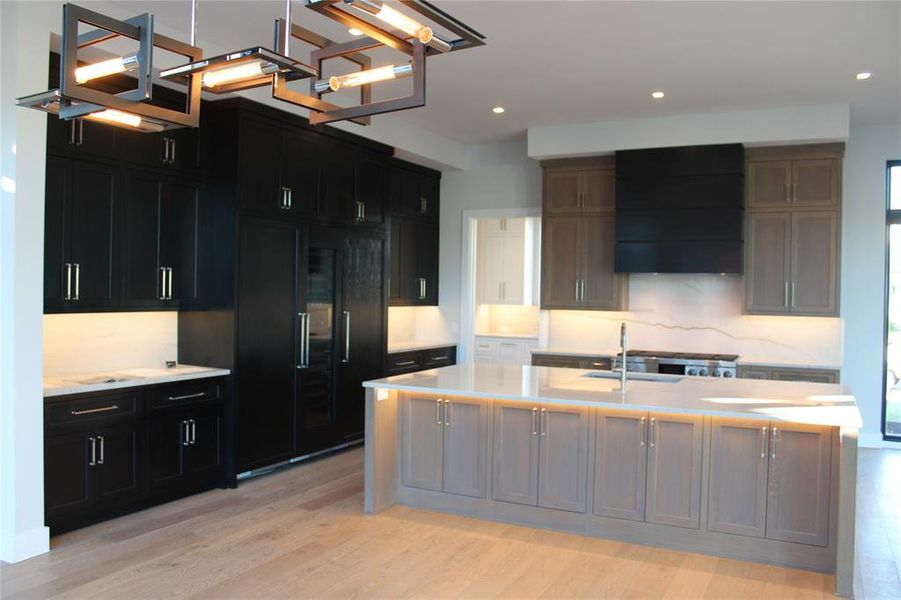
(301, 533)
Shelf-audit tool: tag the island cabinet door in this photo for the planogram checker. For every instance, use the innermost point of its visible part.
(675, 446)
(620, 464)
(736, 501)
(515, 452)
(465, 446)
(423, 442)
(563, 457)
(799, 483)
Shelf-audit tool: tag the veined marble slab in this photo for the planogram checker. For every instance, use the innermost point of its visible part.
(125, 378)
(413, 346)
(795, 402)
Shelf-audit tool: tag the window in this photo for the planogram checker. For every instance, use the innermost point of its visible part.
(891, 413)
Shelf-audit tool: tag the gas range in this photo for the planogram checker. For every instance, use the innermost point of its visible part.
(678, 363)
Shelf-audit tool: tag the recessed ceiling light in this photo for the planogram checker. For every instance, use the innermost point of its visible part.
(657, 95)
(864, 75)
(497, 110)
(354, 31)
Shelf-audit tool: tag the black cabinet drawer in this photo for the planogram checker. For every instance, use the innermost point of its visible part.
(189, 393)
(440, 357)
(92, 409)
(404, 362)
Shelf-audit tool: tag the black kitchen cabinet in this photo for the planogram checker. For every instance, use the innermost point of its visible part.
(81, 138)
(414, 263)
(80, 262)
(110, 453)
(278, 169)
(415, 195)
(160, 240)
(337, 189)
(371, 190)
(269, 337)
(399, 363)
(176, 149)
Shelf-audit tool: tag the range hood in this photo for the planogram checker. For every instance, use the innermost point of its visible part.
(680, 210)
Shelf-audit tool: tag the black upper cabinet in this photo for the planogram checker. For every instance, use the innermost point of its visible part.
(414, 195)
(80, 223)
(160, 240)
(371, 184)
(81, 138)
(279, 169)
(413, 263)
(176, 149)
(337, 191)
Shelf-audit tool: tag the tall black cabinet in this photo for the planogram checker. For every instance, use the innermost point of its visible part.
(292, 278)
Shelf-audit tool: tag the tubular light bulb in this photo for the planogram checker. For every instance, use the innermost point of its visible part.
(107, 67)
(248, 70)
(116, 116)
(396, 19)
(358, 78)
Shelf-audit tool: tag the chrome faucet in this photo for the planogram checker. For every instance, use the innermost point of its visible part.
(622, 347)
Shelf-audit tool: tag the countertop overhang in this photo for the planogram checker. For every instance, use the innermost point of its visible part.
(788, 401)
(64, 385)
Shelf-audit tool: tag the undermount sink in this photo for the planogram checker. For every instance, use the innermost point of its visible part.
(635, 376)
(110, 378)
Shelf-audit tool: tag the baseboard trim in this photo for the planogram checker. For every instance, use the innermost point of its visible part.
(17, 547)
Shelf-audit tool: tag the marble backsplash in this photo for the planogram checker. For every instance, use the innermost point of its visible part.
(698, 313)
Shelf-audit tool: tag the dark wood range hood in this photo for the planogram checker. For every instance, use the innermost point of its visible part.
(680, 210)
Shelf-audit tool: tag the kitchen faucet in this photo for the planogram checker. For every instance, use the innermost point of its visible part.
(622, 347)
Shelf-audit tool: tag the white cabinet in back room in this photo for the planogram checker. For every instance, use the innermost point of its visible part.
(503, 264)
(505, 350)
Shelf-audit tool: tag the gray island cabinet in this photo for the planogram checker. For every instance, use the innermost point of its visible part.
(748, 469)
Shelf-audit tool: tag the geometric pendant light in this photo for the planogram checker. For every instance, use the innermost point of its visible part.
(131, 108)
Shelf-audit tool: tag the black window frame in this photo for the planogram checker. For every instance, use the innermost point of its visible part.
(892, 217)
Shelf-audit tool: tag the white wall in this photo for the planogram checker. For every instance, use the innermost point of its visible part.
(863, 267)
(24, 40)
(94, 342)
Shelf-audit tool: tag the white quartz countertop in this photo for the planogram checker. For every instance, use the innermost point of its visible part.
(413, 346)
(125, 378)
(810, 403)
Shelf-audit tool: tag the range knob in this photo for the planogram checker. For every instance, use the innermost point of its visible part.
(702, 371)
(692, 372)
(727, 374)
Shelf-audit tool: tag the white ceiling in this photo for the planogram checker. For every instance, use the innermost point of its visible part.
(550, 62)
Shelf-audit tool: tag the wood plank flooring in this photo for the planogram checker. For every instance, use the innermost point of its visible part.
(301, 533)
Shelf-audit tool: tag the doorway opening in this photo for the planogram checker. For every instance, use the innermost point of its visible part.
(891, 412)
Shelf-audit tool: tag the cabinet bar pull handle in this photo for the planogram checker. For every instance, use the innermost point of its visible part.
(302, 325)
(77, 280)
(165, 149)
(346, 358)
(773, 443)
(795, 192)
(793, 294)
(763, 442)
(172, 153)
(543, 421)
(193, 431)
(442, 357)
(641, 433)
(422, 288)
(68, 295)
(187, 397)
(185, 433)
(577, 290)
(405, 363)
(102, 446)
(447, 413)
(788, 198)
(785, 300)
(651, 432)
(438, 411)
(423, 205)
(290, 197)
(90, 411)
(72, 125)
(162, 283)
(362, 211)
(169, 284)
(535, 421)
(306, 340)
(80, 133)
(93, 460)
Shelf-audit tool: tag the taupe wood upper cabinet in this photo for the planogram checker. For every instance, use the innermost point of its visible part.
(675, 446)
(737, 492)
(515, 452)
(814, 260)
(577, 247)
(792, 230)
(445, 445)
(563, 458)
(620, 464)
(423, 442)
(799, 485)
(582, 186)
(465, 447)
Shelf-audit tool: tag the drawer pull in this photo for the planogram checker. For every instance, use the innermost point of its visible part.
(187, 396)
(405, 363)
(90, 411)
(442, 357)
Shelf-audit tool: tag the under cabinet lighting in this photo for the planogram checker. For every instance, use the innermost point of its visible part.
(242, 71)
(364, 77)
(397, 19)
(107, 67)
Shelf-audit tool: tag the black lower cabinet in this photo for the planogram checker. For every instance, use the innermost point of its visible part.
(111, 453)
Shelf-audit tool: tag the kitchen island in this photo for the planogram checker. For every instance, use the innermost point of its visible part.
(748, 469)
